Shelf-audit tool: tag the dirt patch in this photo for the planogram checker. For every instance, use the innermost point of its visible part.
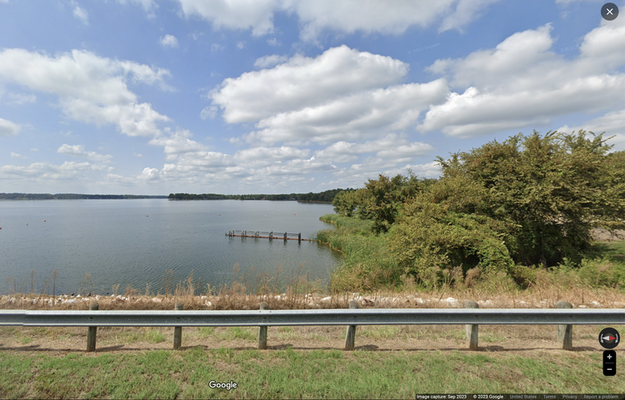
(604, 235)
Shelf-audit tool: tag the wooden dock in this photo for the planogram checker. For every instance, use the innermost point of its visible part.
(268, 235)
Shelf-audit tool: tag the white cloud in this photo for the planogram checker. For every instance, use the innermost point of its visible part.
(90, 88)
(365, 114)
(241, 45)
(208, 112)
(304, 82)
(169, 41)
(544, 84)
(269, 61)
(256, 15)
(342, 94)
(149, 174)
(16, 155)
(40, 172)
(81, 14)
(8, 128)
(348, 16)
(137, 154)
(216, 47)
(266, 156)
(273, 42)
(79, 151)
(388, 147)
(612, 123)
(177, 143)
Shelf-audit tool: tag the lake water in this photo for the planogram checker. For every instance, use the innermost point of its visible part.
(134, 242)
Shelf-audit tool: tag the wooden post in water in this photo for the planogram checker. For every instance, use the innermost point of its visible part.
(178, 330)
(565, 332)
(262, 333)
(284, 237)
(299, 237)
(92, 330)
(472, 330)
(271, 235)
(350, 337)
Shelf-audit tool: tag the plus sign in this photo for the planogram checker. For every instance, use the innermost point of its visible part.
(609, 356)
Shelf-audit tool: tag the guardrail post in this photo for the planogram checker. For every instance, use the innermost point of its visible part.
(284, 237)
(350, 337)
(92, 330)
(262, 333)
(299, 237)
(565, 332)
(178, 330)
(472, 330)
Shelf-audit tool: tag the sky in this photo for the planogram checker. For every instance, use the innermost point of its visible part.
(289, 96)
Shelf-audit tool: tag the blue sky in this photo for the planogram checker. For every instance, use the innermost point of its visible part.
(281, 96)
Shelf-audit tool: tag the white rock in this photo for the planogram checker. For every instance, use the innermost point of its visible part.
(452, 302)
(583, 306)
(326, 298)
(596, 304)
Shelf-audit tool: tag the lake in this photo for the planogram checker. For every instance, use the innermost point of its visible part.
(134, 242)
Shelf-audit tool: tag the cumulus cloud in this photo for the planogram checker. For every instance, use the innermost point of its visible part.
(79, 151)
(17, 155)
(357, 116)
(169, 41)
(304, 82)
(366, 16)
(545, 84)
(256, 15)
(90, 88)
(8, 128)
(343, 94)
(269, 61)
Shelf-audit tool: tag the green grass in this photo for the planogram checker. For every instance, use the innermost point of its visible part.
(298, 374)
(367, 259)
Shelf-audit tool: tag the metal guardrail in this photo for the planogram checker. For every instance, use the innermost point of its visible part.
(471, 316)
(392, 316)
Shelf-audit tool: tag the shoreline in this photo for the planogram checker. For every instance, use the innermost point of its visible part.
(591, 299)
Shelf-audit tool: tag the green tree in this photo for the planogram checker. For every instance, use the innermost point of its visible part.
(554, 189)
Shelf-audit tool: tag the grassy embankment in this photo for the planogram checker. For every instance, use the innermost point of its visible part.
(296, 374)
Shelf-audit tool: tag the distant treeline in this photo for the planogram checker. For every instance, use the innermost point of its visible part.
(323, 197)
(72, 196)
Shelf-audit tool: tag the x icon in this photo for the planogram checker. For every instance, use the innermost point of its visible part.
(609, 11)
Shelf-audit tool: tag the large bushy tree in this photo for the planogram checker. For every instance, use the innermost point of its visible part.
(554, 189)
